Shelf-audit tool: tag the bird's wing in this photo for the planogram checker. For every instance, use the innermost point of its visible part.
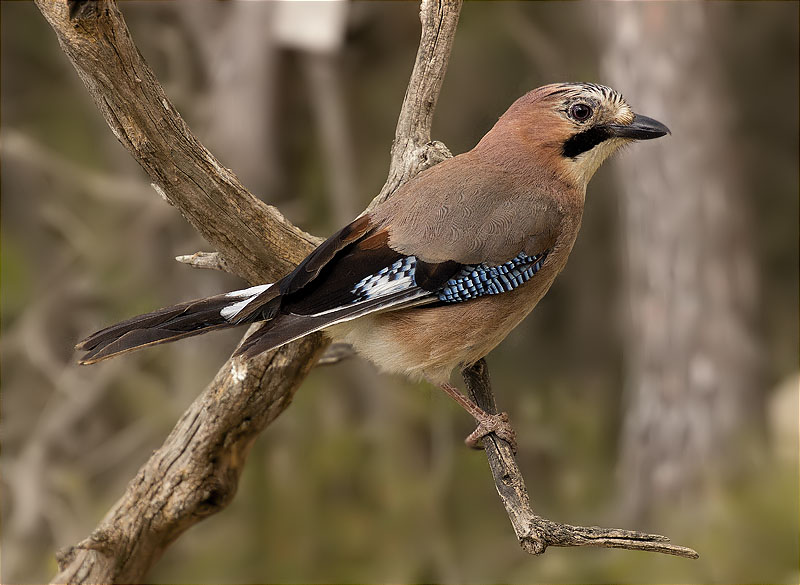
(471, 211)
(353, 273)
(353, 266)
(266, 305)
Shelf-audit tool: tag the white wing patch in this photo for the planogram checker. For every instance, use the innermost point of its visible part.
(395, 278)
(247, 295)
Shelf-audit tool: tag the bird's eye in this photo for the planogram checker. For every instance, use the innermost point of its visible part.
(580, 112)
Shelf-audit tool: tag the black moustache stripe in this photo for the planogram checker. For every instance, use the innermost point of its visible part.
(586, 140)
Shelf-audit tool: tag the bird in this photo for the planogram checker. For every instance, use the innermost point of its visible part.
(435, 277)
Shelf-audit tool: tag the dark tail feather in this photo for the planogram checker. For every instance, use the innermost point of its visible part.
(222, 311)
(287, 327)
(168, 324)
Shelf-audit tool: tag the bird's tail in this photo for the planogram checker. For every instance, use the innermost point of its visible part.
(172, 323)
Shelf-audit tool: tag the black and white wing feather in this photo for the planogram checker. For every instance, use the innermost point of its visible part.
(364, 276)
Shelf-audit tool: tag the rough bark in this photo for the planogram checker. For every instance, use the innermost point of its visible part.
(689, 270)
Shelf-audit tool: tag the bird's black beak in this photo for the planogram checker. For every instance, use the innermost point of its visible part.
(642, 128)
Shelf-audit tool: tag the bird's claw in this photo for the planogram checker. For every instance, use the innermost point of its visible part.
(499, 424)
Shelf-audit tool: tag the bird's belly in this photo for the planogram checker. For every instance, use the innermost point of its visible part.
(430, 342)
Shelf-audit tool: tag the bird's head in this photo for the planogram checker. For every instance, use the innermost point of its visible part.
(574, 127)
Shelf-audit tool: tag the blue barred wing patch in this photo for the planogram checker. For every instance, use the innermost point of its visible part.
(471, 282)
(482, 279)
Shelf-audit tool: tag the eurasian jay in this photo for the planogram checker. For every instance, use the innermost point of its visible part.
(435, 277)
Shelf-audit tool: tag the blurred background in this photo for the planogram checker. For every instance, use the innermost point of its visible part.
(655, 387)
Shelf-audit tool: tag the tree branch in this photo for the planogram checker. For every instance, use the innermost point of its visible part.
(195, 472)
(535, 533)
(259, 244)
(412, 149)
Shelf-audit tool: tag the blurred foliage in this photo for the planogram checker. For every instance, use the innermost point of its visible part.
(364, 478)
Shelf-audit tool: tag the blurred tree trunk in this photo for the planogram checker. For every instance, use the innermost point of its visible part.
(689, 270)
(239, 59)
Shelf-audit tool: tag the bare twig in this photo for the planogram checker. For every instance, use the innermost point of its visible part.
(207, 260)
(535, 533)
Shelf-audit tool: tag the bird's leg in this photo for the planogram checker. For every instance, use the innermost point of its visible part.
(499, 424)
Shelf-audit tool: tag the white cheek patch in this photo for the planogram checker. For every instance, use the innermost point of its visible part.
(581, 169)
(247, 295)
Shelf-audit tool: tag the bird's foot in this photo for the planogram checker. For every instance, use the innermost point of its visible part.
(499, 424)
